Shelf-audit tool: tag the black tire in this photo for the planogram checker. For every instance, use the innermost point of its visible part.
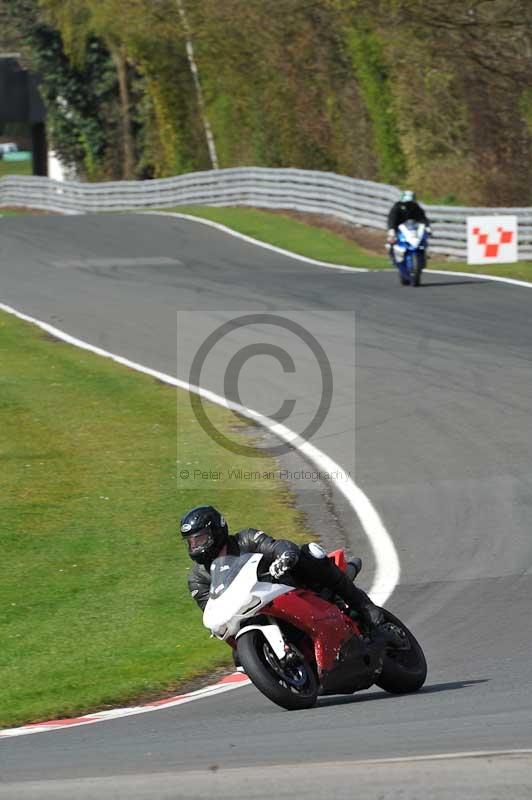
(404, 670)
(403, 281)
(418, 268)
(265, 671)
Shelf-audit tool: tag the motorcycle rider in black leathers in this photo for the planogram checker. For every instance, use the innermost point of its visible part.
(406, 208)
(207, 536)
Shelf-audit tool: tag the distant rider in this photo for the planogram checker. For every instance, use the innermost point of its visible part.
(207, 536)
(406, 208)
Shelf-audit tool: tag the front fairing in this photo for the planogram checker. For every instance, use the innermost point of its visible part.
(323, 622)
(237, 593)
(345, 661)
(412, 235)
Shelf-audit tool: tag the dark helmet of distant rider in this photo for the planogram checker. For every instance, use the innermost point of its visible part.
(205, 531)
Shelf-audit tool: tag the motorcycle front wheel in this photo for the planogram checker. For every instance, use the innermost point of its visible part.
(403, 281)
(292, 687)
(404, 670)
(417, 268)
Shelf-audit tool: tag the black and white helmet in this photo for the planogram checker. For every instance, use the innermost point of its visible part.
(205, 531)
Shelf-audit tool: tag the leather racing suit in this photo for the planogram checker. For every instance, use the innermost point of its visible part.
(313, 570)
(401, 211)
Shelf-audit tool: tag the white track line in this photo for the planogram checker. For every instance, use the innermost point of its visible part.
(326, 264)
(386, 558)
(496, 278)
(256, 242)
(225, 685)
(439, 757)
(450, 272)
(387, 562)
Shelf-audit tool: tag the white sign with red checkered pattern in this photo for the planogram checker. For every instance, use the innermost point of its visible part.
(491, 240)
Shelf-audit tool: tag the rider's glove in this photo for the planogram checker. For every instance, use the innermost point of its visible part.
(283, 564)
(428, 230)
(391, 236)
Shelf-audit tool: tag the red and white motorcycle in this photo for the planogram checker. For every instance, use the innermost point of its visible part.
(295, 644)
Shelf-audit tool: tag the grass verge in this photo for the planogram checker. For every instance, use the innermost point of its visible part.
(94, 609)
(521, 270)
(15, 167)
(325, 245)
(291, 234)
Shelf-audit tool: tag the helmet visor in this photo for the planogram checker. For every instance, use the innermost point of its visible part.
(200, 541)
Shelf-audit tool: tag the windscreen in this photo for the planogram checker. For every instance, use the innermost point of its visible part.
(223, 572)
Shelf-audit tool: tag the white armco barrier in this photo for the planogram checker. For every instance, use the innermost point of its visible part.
(354, 201)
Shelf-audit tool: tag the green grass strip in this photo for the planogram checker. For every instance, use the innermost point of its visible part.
(290, 234)
(521, 270)
(324, 245)
(15, 167)
(94, 609)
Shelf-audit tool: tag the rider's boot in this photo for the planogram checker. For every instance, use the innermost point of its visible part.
(314, 567)
(371, 616)
(381, 631)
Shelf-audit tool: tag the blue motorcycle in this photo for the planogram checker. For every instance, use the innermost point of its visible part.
(409, 251)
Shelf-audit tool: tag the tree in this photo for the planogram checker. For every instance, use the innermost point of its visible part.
(422, 92)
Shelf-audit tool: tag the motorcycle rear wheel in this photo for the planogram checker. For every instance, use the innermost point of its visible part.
(293, 689)
(404, 670)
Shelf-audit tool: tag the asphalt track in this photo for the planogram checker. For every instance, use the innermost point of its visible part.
(444, 451)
